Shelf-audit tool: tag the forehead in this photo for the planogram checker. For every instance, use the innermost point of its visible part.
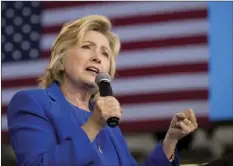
(97, 37)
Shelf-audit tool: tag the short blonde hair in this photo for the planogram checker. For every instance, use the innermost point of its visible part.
(70, 35)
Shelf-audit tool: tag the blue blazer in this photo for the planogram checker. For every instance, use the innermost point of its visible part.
(44, 132)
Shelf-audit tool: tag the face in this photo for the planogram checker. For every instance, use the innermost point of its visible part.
(87, 59)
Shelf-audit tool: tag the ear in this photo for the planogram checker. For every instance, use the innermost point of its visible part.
(112, 68)
(62, 64)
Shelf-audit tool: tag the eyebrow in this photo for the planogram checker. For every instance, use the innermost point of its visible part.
(104, 47)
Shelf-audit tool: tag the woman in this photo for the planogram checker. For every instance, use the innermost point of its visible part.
(59, 125)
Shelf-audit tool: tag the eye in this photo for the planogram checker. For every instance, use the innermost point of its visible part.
(105, 54)
(86, 46)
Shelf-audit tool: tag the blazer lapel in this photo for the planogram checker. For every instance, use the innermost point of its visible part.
(65, 119)
(65, 107)
(123, 154)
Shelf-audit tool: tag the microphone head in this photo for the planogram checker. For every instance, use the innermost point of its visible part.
(102, 77)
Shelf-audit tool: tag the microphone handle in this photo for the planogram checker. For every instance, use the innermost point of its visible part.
(106, 90)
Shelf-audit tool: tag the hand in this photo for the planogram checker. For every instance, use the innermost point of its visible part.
(181, 125)
(105, 107)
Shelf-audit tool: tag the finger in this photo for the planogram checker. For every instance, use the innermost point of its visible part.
(190, 115)
(195, 125)
(180, 116)
(185, 129)
(111, 103)
(106, 115)
(187, 122)
(191, 125)
(111, 99)
(113, 108)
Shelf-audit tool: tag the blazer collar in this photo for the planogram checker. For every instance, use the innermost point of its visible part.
(54, 92)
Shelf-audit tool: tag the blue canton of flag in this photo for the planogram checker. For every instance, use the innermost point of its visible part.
(20, 31)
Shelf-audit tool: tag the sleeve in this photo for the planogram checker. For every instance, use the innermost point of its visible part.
(158, 158)
(34, 140)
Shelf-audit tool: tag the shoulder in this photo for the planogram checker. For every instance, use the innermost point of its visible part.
(30, 94)
(37, 92)
(27, 100)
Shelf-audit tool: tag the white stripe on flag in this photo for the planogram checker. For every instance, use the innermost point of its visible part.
(163, 110)
(24, 69)
(4, 122)
(149, 84)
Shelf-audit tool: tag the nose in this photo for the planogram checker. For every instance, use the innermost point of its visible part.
(96, 59)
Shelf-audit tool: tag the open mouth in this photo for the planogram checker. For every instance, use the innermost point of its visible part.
(93, 70)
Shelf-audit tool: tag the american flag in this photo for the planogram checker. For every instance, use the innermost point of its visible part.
(162, 67)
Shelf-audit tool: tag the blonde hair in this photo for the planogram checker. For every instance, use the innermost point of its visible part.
(70, 35)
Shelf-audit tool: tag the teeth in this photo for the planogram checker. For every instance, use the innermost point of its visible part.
(93, 69)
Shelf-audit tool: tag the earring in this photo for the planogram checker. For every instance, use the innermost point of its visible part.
(62, 67)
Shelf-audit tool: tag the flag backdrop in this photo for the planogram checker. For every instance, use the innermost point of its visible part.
(162, 67)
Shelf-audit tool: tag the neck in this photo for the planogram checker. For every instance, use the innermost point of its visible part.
(76, 95)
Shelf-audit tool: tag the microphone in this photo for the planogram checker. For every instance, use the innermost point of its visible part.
(103, 80)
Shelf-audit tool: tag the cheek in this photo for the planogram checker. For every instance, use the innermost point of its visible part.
(105, 65)
(108, 66)
(77, 59)
(72, 64)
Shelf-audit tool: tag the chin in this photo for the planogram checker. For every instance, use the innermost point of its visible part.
(91, 83)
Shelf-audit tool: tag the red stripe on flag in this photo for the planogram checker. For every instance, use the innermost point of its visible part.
(195, 39)
(167, 42)
(145, 19)
(5, 137)
(4, 109)
(161, 17)
(197, 67)
(163, 70)
(161, 97)
(21, 82)
(158, 97)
